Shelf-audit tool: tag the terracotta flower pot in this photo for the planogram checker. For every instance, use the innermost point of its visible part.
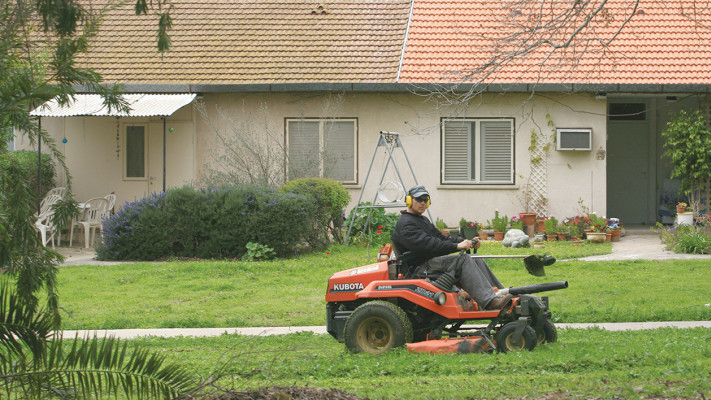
(499, 236)
(541, 227)
(551, 238)
(680, 210)
(528, 218)
(608, 237)
(615, 235)
(562, 236)
(483, 235)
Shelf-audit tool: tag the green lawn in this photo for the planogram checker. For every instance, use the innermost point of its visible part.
(291, 292)
(582, 364)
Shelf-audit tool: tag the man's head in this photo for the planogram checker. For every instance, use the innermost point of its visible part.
(418, 199)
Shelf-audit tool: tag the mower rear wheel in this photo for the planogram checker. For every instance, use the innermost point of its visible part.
(548, 333)
(505, 338)
(376, 327)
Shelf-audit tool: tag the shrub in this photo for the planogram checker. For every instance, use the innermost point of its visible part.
(26, 162)
(379, 221)
(207, 223)
(331, 198)
(687, 239)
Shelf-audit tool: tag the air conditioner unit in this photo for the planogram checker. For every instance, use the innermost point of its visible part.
(574, 139)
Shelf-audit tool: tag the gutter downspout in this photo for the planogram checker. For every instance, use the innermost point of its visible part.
(404, 43)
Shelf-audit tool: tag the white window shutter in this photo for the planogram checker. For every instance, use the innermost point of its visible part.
(496, 151)
(303, 149)
(456, 150)
(339, 151)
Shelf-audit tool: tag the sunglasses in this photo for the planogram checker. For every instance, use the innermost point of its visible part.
(422, 199)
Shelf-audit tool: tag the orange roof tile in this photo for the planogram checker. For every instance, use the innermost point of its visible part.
(449, 40)
(255, 41)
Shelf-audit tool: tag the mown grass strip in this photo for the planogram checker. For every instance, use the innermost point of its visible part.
(201, 294)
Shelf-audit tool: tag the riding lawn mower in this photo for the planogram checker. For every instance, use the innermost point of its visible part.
(375, 308)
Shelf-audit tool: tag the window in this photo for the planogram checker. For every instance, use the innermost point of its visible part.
(322, 148)
(135, 152)
(627, 111)
(477, 151)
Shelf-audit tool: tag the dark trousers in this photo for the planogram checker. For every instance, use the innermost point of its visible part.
(476, 277)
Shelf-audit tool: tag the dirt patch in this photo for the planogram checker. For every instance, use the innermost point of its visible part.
(290, 393)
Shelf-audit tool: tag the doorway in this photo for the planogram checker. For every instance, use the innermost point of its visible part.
(630, 179)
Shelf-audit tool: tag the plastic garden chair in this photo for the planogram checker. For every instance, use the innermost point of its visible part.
(95, 210)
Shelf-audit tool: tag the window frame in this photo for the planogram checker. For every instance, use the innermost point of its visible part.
(477, 160)
(124, 152)
(321, 135)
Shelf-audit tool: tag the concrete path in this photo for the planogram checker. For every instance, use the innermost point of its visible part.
(321, 330)
(636, 244)
(642, 244)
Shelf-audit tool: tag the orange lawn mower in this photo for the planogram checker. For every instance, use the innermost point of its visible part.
(373, 309)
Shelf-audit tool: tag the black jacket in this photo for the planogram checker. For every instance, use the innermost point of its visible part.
(416, 234)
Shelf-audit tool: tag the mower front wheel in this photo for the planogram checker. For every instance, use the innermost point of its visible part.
(548, 333)
(505, 338)
(376, 327)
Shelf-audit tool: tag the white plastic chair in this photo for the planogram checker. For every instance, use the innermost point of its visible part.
(43, 220)
(95, 210)
(59, 191)
(112, 202)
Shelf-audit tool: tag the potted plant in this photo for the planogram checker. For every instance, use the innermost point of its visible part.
(615, 227)
(681, 207)
(551, 227)
(469, 229)
(499, 223)
(597, 227)
(516, 223)
(442, 226)
(687, 144)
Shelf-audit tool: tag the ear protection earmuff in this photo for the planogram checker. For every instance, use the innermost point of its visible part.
(409, 200)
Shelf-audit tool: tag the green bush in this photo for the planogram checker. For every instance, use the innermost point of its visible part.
(207, 223)
(26, 162)
(687, 239)
(331, 198)
(378, 228)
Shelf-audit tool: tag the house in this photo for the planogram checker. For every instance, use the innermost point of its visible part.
(304, 88)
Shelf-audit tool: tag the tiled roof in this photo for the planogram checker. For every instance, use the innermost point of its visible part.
(449, 39)
(255, 41)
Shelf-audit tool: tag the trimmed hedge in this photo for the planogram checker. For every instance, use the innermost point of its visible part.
(207, 223)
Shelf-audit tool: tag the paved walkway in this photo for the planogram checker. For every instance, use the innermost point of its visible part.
(636, 244)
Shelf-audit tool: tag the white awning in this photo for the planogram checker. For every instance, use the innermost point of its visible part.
(142, 105)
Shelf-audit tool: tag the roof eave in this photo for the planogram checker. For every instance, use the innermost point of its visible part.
(409, 88)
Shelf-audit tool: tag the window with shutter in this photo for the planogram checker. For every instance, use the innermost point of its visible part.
(477, 151)
(322, 148)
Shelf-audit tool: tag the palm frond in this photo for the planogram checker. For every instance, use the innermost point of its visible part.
(89, 368)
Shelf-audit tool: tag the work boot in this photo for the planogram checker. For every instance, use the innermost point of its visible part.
(498, 302)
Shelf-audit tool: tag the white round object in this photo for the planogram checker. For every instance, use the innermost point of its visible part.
(391, 192)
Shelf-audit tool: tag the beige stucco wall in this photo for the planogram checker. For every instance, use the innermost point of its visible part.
(571, 175)
(97, 168)
(95, 157)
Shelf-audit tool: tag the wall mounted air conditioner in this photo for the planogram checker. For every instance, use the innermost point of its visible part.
(574, 139)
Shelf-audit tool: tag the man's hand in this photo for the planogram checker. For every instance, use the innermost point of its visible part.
(468, 244)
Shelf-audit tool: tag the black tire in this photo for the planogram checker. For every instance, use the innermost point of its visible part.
(376, 327)
(504, 338)
(548, 333)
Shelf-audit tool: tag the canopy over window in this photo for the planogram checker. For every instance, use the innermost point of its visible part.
(142, 105)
